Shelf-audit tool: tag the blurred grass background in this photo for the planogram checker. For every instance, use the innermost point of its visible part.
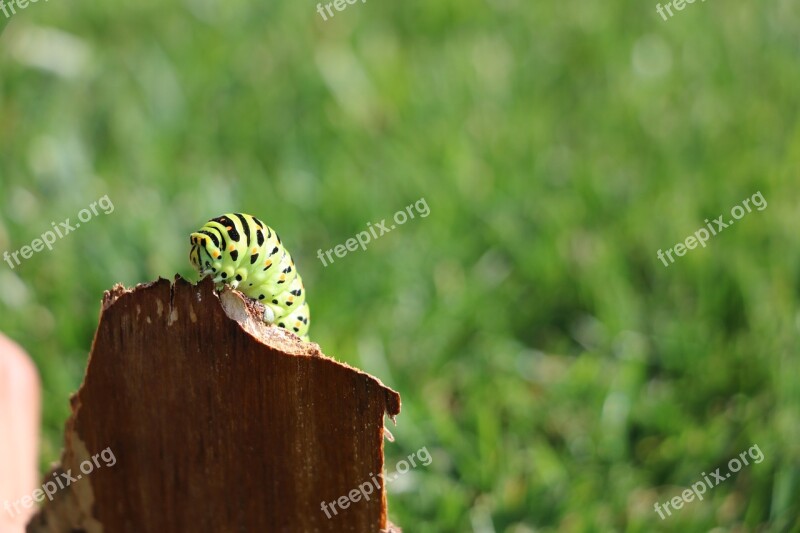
(562, 378)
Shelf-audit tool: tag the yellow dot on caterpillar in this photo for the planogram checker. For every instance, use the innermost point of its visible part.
(232, 247)
(254, 250)
(216, 254)
(297, 324)
(268, 262)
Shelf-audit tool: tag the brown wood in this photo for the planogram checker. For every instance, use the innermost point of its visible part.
(217, 423)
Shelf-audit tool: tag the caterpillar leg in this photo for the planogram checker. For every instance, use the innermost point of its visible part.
(273, 314)
(297, 321)
(269, 315)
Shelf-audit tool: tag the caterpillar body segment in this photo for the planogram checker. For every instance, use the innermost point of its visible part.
(239, 250)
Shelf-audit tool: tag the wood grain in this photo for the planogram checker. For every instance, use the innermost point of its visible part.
(217, 423)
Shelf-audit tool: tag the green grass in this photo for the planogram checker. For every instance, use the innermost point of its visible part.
(562, 378)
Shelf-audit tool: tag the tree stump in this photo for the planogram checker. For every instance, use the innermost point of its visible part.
(215, 422)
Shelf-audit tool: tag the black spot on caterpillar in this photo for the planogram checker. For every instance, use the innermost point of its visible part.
(230, 248)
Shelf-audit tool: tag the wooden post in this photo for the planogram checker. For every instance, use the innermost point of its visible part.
(216, 422)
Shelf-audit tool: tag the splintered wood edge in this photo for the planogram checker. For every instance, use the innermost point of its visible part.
(248, 314)
(70, 507)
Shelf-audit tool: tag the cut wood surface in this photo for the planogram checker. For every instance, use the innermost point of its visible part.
(216, 422)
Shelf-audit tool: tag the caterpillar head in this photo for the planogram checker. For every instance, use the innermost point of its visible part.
(206, 258)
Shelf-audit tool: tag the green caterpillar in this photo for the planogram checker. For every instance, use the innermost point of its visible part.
(245, 253)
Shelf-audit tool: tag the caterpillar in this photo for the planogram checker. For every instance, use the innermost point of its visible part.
(243, 252)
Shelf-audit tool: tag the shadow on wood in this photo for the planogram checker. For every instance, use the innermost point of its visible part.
(216, 422)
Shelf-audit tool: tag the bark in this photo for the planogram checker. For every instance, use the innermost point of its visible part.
(216, 422)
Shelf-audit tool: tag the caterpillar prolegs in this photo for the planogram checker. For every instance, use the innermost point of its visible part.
(248, 255)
